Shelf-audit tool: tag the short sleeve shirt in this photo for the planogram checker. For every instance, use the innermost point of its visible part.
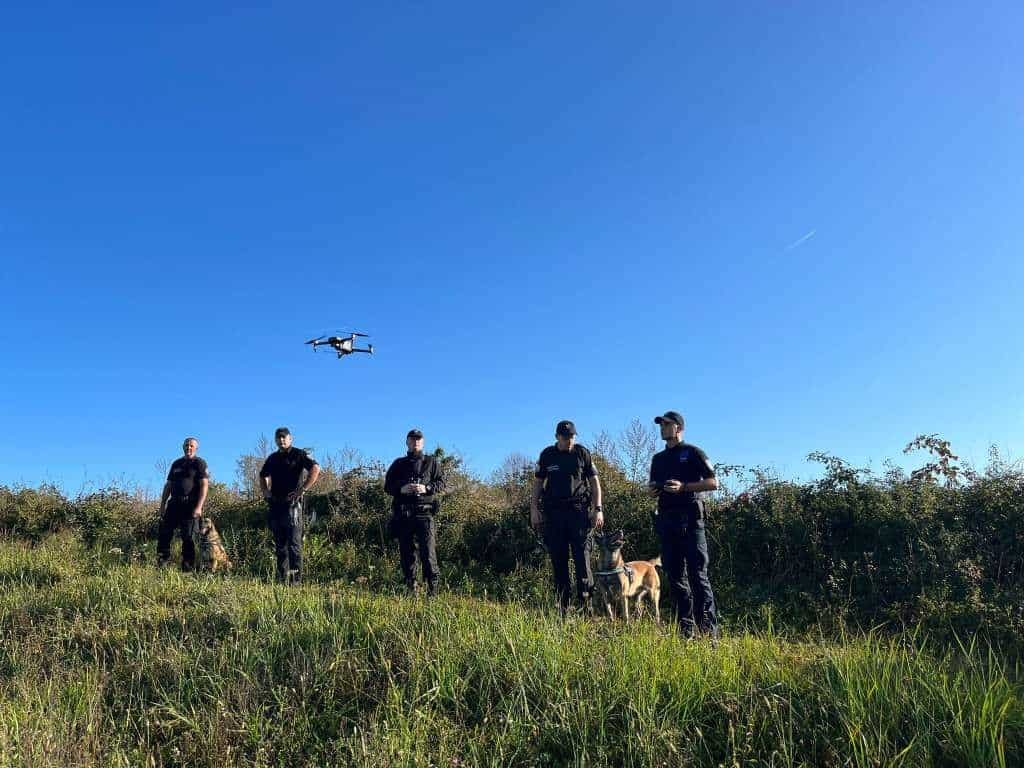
(285, 468)
(565, 473)
(185, 475)
(685, 463)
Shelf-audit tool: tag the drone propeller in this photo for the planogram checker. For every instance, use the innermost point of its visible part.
(355, 333)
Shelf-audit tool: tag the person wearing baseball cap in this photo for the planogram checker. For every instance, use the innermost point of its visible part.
(678, 474)
(415, 484)
(283, 486)
(567, 482)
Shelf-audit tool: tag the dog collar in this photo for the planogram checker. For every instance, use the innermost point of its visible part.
(616, 571)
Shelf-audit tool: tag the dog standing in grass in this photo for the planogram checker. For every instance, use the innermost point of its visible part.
(619, 581)
(212, 555)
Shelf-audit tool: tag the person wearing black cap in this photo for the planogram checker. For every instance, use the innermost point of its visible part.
(283, 488)
(678, 474)
(568, 483)
(415, 484)
(181, 504)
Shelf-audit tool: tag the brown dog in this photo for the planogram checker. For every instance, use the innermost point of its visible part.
(212, 555)
(620, 582)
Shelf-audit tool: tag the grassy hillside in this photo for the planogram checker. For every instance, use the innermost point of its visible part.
(109, 664)
(940, 549)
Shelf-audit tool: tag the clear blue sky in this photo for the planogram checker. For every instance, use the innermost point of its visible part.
(800, 224)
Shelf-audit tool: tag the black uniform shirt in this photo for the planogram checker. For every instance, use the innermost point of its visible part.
(565, 473)
(184, 477)
(415, 468)
(685, 463)
(284, 468)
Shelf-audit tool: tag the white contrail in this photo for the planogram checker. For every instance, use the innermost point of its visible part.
(802, 240)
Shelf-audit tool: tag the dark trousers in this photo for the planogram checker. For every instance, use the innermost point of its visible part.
(567, 531)
(684, 556)
(177, 517)
(417, 532)
(285, 521)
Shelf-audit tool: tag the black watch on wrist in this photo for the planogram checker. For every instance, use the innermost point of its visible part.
(598, 509)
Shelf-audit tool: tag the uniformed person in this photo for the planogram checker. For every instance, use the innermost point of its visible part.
(181, 505)
(283, 486)
(415, 484)
(678, 474)
(567, 481)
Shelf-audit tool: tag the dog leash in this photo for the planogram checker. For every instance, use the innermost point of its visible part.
(538, 538)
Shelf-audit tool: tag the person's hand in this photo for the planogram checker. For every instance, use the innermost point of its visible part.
(535, 519)
(673, 486)
(295, 496)
(197, 512)
(652, 489)
(408, 488)
(598, 520)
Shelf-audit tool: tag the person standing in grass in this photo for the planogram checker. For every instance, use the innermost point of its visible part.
(678, 474)
(567, 481)
(282, 483)
(181, 505)
(415, 484)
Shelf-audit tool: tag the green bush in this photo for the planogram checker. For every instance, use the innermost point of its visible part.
(31, 514)
(942, 547)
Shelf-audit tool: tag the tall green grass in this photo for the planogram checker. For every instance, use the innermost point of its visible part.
(104, 665)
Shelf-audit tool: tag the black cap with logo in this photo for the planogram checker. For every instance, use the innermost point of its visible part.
(565, 428)
(415, 433)
(281, 431)
(670, 417)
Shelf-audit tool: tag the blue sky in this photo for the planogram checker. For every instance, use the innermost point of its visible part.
(799, 224)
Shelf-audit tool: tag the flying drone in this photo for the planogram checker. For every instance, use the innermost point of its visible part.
(343, 345)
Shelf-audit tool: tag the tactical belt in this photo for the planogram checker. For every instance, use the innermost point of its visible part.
(565, 504)
(411, 510)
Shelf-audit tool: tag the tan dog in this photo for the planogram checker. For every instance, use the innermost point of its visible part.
(212, 555)
(620, 582)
